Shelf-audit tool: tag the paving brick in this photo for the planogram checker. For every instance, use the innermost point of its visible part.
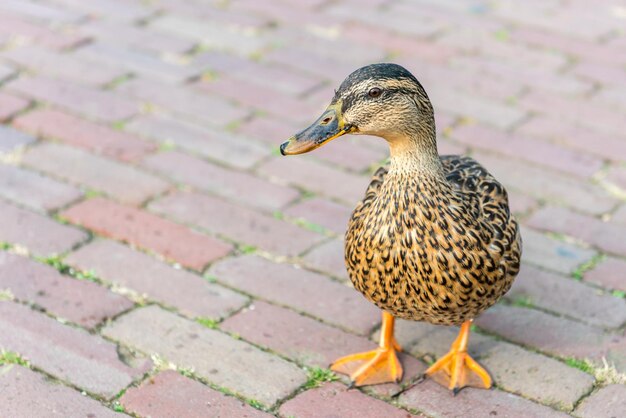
(547, 185)
(231, 149)
(553, 254)
(234, 185)
(6, 72)
(299, 289)
(536, 377)
(334, 399)
(105, 106)
(27, 394)
(294, 336)
(521, 204)
(64, 66)
(322, 212)
(609, 273)
(608, 402)
(169, 394)
(34, 190)
(605, 235)
(10, 105)
(114, 10)
(14, 28)
(81, 133)
(214, 356)
(350, 152)
(617, 177)
(328, 258)
(620, 215)
(547, 333)
(11, 140)
(186, 102)
(304, 172)
(171, 240)
(435, 400)
(601, 73)
(251, 228)
(82, 302)
(98, 173)
(283, 79)
(40, 12)
(69, 354)
(529, 149)
(39, 234)
(192, 295)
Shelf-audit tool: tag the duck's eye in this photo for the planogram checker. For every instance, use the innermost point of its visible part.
(375, 92)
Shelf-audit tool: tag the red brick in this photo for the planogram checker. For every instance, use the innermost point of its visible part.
(10, 105)
(283, 79)
(328, 258)
(82, 302)
(146, 230)
(547, 185)
(617, 176)
(6, 72)
(34, 190)
(95, 172)
(299, 289)
(29, 394)
(230, 184)
(106, 106)
(15, 28)
(62, 65)
(608, 274)
(251, 227)
(605, 235)
(435, 400)
(619, 216)
(528, 149)
(335, 400)
(116, 10)
(302, 171)
(294, 336)
(192, 295)
(568, 297)
(40, 12)
(81, 133)
(214, 356)
(612, 96)
(351, 152)
(602, 74)
(269, 129)
(227, 148)
(11, 140)
(71, 354)
(39, 234)
(169, 394)
(520, 203)
(184, 101)
(322, 212)
(608, 402)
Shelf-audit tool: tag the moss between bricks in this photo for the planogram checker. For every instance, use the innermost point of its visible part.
(317, 376)
(587, 265)
(11, 357)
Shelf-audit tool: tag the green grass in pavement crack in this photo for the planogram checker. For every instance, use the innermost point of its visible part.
(5, 246)
(523, 302)
(619, 294)
(57, 263)
(587, 265)
(317, 376)
(11, 357)
(583, 365)
(247, 249)
(207, 322)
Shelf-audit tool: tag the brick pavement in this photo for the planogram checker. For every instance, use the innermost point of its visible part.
(158, 258)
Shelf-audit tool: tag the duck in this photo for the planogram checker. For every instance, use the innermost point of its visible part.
(432, 240)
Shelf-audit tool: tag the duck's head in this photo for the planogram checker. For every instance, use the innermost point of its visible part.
(384, 100)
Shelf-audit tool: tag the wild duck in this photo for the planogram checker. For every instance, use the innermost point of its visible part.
(432, 240)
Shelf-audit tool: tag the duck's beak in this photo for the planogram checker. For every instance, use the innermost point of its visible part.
(326, 128)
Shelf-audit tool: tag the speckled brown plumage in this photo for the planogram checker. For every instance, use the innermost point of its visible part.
(434, 246)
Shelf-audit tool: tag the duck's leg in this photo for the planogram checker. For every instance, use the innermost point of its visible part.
(376, 366)
(457, 369)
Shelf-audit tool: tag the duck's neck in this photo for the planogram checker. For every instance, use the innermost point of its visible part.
(415, 152)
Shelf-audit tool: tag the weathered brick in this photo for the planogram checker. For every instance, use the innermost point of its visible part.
(605, 235)
(192, 295)
(435, 400)
(334, 399)
(228, 148)
(350, 152)
(529, 149)
(328, 258)
(106, 106)
(294, 336)
(40, 12)
(299, 289)
(230, 184)
(602, 74)
(10, 105)
(608, 402)
(212, 355)
(319, 178)
(149, 231)
(10, 139)
(251, 228)
(116, 10)
(70, 354)
(536, 376)
(6, 72)
(82, 302)
(620, 215)
(608, 274)
(617, 177)
(268, 129)
(98, 173)
(550, 253)
(169, 394)
(81, 133)
(39, 234)
(34, 190)
(29, 394)
(14, 28)
(322, 212)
